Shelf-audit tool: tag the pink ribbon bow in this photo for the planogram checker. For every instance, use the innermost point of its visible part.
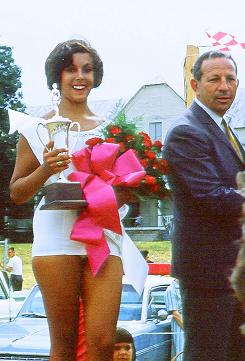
(98, 169)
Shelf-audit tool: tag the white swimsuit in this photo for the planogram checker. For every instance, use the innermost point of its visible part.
(52, 228)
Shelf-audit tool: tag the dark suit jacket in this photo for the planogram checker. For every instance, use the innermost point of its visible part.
(206, 206)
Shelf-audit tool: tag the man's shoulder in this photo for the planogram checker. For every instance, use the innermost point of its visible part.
(191, 114)
(192, 120)
(17, 259)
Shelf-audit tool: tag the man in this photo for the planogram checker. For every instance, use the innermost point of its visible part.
(145, 254)
(124, 346)
(207, 208)
(15, 267)
(173, 304)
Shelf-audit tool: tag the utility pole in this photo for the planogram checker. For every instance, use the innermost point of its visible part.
(192, 53)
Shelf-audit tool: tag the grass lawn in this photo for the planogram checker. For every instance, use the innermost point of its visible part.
(158, 252)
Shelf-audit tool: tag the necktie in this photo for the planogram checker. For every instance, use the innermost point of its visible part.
(233, 140)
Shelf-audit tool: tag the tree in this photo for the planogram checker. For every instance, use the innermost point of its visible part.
(10, 97)
(10, 86)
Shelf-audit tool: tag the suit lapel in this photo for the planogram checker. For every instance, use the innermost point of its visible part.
(209, 123)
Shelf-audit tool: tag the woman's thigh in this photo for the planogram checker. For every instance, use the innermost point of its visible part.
(101, 295)
(60, 279)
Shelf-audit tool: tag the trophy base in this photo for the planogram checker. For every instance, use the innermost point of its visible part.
(63, 196)
(64, 205)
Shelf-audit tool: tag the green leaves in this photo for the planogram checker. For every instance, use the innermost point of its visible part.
(10, 86)
(10, 97)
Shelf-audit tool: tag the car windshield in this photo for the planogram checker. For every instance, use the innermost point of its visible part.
(33, 306)
(130, 308)
(131, 304)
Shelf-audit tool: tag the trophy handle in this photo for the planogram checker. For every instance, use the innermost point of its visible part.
(78, 131)
(40, 136)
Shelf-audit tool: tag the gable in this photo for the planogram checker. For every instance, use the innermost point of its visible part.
(155, 103)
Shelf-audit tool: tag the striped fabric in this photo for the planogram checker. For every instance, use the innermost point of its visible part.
(173, 303)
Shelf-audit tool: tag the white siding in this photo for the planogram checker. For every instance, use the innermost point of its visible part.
(155, 103)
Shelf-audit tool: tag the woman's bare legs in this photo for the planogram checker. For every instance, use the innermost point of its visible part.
(60, 281)
(101, 297)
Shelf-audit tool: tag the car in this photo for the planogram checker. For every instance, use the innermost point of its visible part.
(145, 317)
(10, 302)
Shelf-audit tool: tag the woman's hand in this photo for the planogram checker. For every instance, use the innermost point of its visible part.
(55, 160)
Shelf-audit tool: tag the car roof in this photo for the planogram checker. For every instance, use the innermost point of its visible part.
(153, 280)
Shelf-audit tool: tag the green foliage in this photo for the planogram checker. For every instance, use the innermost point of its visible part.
(10, 97)
(125, 132)
(10, 86)
(7, 159)
(127, 126)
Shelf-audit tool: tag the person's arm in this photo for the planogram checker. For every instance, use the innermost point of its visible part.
(8, 268)
(178, 318)
(199, 176)
(29, 176)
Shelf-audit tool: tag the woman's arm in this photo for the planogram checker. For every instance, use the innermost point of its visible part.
(29, 176)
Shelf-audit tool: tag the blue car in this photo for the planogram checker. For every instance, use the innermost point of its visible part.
(27, 336)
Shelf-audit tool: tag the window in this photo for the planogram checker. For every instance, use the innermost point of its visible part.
(131, 304)
(2, 294)
(155, 130)
(156, 301)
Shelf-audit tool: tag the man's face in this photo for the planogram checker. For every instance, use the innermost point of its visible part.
(10, 253)
(217, 87)
(123, 351)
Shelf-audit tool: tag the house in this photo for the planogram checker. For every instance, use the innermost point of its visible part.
(157, 104)
(236, 114)
(154, 106)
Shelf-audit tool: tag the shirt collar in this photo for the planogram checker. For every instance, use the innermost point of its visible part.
(216, 118)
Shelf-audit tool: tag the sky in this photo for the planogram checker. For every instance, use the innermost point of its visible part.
(138, 40)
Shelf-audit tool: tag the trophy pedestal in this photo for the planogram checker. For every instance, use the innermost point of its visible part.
(64, 196)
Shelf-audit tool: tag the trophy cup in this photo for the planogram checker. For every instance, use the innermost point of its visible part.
(61, 194)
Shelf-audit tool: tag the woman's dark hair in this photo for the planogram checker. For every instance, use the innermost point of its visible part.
(61, 57)
(196, 70)
(123, 335)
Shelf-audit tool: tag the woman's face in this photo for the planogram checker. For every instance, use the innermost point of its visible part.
(77, 79)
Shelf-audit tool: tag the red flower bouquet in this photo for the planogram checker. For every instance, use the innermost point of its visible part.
(149, 153)
(116, 168)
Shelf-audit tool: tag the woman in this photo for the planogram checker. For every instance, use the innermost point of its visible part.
(60, 265)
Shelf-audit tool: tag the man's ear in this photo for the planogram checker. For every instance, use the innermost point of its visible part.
(193, 83)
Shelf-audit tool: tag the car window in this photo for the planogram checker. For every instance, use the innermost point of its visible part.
(2, 294)
(33, 305)
(156, 301)
(131, 304)
(36, 305)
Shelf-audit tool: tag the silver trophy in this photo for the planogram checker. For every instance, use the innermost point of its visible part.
(61, 194)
